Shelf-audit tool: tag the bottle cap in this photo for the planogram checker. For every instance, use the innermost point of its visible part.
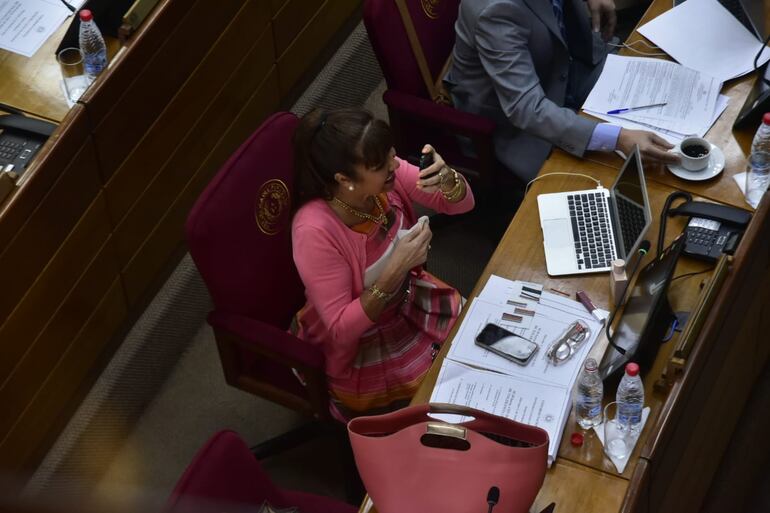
(766, 118)
(618, 266)
(85, 15)
(632, 369)
(576, 439)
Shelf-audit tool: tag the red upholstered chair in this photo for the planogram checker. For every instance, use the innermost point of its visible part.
(225, 476)
(415, 118)
(239, 236)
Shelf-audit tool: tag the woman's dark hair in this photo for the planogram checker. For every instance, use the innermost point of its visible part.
(329, 142)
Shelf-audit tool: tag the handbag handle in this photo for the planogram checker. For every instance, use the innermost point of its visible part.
(455, 409)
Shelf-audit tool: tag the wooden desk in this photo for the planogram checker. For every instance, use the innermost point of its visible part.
(98, 222)
(681, 446)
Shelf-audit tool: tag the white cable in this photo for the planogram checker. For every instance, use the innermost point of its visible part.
(526, 189)
(645, 43)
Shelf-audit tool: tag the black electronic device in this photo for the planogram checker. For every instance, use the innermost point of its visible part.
(426, 160)
(20, 139)
(645, 319)
(506, 344)
(713, 229)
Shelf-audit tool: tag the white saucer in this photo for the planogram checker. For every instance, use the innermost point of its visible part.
(715, 166)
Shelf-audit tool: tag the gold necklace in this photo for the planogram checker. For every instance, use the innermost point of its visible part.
(381, 219)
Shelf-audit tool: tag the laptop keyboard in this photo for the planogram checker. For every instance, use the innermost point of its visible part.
(594, 246)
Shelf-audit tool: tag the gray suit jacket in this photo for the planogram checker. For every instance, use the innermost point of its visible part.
(511, 64)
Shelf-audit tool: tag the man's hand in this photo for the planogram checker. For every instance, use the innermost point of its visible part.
(651, 146)
(603, 17)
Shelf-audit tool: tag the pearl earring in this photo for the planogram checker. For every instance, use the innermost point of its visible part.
(350, 187)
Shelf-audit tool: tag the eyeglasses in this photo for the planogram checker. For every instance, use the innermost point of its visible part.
(568, 343)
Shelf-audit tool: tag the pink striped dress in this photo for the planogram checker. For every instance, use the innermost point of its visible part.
(383, 367)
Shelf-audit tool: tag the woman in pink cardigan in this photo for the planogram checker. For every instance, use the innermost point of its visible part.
(377, 314)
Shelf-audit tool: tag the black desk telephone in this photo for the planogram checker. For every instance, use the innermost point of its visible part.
(20, 139)
(712, 230)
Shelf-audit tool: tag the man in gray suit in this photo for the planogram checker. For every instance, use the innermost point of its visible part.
(527, 64)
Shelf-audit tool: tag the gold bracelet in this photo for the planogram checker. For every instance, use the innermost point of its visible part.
(379, 294)
(456, 190)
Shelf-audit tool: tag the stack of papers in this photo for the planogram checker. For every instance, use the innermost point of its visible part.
(692, 99)
(704, 36)
(538, 394)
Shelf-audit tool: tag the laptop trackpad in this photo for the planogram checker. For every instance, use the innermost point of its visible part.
(557, 233)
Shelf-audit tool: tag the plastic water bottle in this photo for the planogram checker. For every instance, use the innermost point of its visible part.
(92, 45)
(588, 396)
(630, 398)
(761, 141)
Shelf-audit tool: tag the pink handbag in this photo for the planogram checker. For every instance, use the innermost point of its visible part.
(412, 463)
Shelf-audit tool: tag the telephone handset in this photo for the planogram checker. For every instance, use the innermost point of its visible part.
(713, 229)
(19, 123)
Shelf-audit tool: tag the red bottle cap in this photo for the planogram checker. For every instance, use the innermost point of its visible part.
(766, 118)
(632, 369)
(576, 439)
(85, 15)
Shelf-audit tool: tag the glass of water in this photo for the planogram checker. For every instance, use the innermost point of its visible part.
(72, 72)
(757, 177)
(618, 440)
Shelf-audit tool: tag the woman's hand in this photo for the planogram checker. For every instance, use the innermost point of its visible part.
(411, 250)
(433, 176)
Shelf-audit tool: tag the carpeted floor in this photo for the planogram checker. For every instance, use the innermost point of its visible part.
(164, 394)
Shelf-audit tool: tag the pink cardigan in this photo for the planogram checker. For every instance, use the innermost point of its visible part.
(331, 260)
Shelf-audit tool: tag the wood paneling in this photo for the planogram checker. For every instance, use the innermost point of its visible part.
(25, 255)
(119, 131)
(46, 294)
(290, 21)
(47, 349)
(157, 169)
(32, 432)
(47, 167)
(312, 40)
(168, 233)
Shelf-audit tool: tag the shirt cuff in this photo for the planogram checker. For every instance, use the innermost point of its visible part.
(604, 137)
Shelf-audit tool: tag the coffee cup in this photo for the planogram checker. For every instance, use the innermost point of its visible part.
(695, 153)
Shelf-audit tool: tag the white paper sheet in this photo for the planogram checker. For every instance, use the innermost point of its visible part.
(536, 404)
(548, 324)
(703, 35)
(670, 136)
(26, 24)
(626, 82)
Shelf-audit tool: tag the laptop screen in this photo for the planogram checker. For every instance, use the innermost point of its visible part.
(632, 209)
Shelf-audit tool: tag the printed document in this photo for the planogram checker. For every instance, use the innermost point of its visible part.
(548, 324)
(537, 404)
(627, 82)
(704, 36)
(669, 135)
(26, 24)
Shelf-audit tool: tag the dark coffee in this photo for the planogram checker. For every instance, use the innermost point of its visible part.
(695, 150)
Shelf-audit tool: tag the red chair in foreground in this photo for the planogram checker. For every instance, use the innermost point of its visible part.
(225, 476)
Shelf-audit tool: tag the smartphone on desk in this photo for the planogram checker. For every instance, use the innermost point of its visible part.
(504, 343)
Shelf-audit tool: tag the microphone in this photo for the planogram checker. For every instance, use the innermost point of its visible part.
(493, 497)
(644, 248)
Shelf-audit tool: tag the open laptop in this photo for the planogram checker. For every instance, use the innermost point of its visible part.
(584, 231)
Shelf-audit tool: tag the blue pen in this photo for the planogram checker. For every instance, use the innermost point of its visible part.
(630, 109)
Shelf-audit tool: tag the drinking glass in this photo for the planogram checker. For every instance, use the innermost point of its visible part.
(618, 441)
(757, 177)
(71, 65)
